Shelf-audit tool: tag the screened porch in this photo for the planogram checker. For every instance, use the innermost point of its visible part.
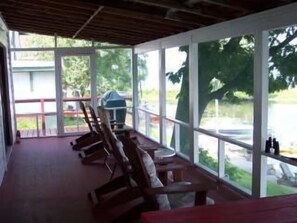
(220, 94)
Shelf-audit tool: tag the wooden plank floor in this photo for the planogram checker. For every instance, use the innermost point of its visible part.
(46, 183)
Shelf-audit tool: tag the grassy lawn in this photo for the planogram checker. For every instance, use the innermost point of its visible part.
(273, 188)
(24, 123)
(289, 96)
(243, 178)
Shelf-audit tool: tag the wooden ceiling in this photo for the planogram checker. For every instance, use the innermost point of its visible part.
(127, 22)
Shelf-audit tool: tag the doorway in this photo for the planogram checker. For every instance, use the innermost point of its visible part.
(76, 83)
(5, 99)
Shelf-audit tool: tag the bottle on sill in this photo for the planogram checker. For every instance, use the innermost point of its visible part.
(268, 145)
(276, 147)
(18, 136)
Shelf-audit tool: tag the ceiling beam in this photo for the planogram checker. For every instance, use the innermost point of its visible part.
(159, 10)
(103, 38)
(36, 18)
(54, 14)
(52, 29)
(132, 32)
(130, 24)
(144, 18)
(62, 32)
(61, 28)
(176, 6)
(249, 6)
(49, 6)
(88, 21)
(192, 3)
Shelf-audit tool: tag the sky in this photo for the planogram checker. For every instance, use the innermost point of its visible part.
(174, 60)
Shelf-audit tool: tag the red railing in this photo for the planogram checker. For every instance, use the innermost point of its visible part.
(43, 131)
(42, 114)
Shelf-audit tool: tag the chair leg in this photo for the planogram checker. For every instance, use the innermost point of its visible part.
(91, 150)
(200, 198)
(99, 154)
(178, 175)
(113, 171)
(87, 142)
(110, 186)
(163, 176)
(83, 137)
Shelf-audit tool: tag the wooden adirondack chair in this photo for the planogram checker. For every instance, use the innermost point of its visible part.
(114, 147)
(288, 178)
(99, 151)
(87, 139)
(116, 127)
(142, 182)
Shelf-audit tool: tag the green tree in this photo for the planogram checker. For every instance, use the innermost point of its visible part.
(229, 62)
(76, 75)
(142, 71)
(76, 69)
(113, 66)
(113, 70)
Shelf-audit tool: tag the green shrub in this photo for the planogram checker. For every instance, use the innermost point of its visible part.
(241, 177)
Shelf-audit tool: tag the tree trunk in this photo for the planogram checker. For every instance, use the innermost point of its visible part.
(182, 114)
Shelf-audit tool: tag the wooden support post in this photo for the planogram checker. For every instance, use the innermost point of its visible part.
(42, 116)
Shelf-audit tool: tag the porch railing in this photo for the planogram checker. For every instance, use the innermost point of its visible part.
(38, 116)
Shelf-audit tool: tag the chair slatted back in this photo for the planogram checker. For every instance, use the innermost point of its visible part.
(104, 116)
(286, 171)
(111, 142)
(140, 174)
(83, 108)
(107, 143)
(95, 120)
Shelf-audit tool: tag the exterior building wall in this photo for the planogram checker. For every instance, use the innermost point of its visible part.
(7, 122)
(38, 85)
(42, 84)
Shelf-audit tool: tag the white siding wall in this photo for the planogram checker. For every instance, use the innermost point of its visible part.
(42, 86)
(21, 82)
(2, 147)
(3, 41)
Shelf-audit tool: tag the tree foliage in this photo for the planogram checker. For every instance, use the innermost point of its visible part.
(76, 75)
(113, 70)
(113, 66)
(226, 67)
(232, 172)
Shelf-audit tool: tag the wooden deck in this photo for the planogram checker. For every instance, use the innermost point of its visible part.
(45, 182)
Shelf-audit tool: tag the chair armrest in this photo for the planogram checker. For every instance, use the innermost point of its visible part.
(91, 119)
(181, 188)
(199, 189)
(115, 123)
(163, 161)
(170, 167)
(124, 196)
(122, 129)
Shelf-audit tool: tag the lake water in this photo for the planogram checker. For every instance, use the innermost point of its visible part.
(237, 121)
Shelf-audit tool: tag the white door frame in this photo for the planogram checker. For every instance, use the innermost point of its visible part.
(59, 53)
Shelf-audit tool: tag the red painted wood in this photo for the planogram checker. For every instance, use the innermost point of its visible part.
(273, 209)
(45, 182)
